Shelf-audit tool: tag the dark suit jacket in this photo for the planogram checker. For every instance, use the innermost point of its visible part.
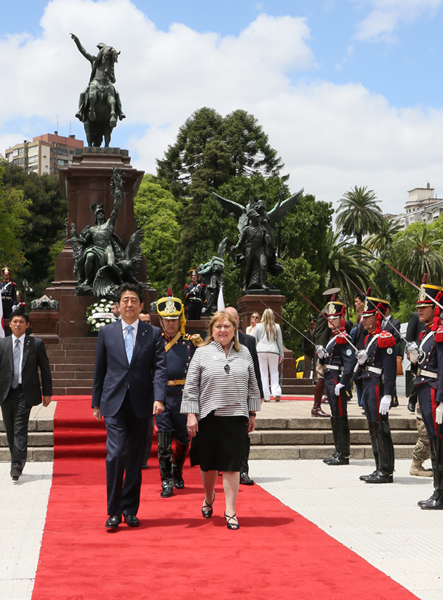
(145, 378)
(249, 342)
(34, 357)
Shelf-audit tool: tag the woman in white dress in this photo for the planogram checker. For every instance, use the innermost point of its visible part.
(255, 319)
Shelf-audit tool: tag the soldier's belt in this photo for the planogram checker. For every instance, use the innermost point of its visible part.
(333, 367)
(172, 382)
(423, 373)
(375, 370)
(195, 299)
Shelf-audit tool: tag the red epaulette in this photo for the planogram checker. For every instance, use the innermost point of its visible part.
(203, 285)
(13, 284)
(341, 339)
(386, 340)
(439, 334)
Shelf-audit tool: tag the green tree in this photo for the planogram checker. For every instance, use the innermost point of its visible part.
(347, 266)
(45, 225)
(14, 212)
(359, 213)
(418, 251)
(156, 212)
(244, 138)
(381, 242)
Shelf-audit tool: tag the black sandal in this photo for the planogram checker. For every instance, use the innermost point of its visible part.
(233, 526)
(207, 513)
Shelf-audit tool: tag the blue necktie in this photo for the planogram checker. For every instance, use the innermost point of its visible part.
(14, 383)
(129, 342)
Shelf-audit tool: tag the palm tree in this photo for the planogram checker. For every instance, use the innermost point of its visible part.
(347, 266)
(419, 252)
(359, 213)
(381, 242)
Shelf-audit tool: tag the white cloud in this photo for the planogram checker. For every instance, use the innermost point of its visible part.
(331, 137)
(387, 15)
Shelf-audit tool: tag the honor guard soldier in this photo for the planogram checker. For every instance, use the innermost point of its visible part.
(427, 361)
(179, 347)
(379, 365)
(338, 360)
(195, 296)
(8, 292)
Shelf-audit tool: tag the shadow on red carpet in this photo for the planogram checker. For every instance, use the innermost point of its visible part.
(276, 553)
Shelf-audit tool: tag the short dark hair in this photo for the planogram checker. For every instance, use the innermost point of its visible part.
(360, 296)
(130, 287)
(20, 312)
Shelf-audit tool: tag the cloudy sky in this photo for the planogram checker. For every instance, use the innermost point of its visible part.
(349, 91)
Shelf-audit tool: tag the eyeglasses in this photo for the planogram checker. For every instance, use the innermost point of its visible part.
(227, 369)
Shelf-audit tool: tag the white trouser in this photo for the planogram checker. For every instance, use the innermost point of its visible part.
(269, 361)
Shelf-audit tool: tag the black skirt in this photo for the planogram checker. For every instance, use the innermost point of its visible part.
(218, 445)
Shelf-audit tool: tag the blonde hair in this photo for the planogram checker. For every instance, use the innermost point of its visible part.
(218, 316)
(253, 314)
(268, 320)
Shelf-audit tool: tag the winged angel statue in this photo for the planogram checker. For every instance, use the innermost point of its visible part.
(101, 261)
(256, 237)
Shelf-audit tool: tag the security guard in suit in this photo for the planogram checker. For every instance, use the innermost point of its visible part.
(180, 348)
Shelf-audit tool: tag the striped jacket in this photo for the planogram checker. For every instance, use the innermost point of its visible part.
(225, 384)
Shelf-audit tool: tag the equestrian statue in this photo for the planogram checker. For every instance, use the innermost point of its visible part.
(100, 105)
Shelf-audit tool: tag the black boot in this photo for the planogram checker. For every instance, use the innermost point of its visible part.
(435, 502)
(334, 435)
(178, 459)
(372, 433)
(342, 442)
(385, 453)
(165, 462)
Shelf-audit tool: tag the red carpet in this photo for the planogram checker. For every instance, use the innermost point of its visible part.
(276, 554)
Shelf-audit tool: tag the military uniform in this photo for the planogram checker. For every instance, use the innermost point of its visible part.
(429, 373)
(8, 293)
(379, 377)
(338, 362)
(171, 423)
(195, 297)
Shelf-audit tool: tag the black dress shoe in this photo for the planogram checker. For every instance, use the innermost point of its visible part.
(380, 477)
(145, 466)
(167, 488)
(15, 473)
(340, 459)
(366, 477)
(132, 521)
(113, 521)
(245, 479)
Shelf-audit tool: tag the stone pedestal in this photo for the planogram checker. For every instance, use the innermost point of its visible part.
(44, 325)
(85, 182)
(251, 303)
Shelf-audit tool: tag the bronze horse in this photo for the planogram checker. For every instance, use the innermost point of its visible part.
(100, 104)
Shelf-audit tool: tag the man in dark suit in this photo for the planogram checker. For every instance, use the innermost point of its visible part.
(21, 356)
(130, 379)
(249, 342)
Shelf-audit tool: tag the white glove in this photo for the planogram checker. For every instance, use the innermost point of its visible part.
(321, 352)
(385, 404)
(362, 357)
(338, 388)
(439, 414)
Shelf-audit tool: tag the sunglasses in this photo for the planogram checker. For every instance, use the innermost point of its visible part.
(227, 369)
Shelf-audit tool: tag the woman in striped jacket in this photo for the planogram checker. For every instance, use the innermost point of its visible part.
(220, 395)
